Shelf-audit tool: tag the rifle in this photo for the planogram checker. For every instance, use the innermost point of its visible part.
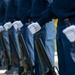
(25, 54)
(12, 43)
(7, 54)
(41, 49)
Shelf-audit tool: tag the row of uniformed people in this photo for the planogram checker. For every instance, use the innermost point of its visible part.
(19, 12)
(15, 11)
(66, 26)
(4, 8)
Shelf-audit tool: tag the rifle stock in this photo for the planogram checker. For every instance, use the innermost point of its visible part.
(40, 47)
(25, 54)
(7, 54)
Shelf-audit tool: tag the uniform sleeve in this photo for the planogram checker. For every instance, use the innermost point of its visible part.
(2, 11)
(46, 15)
(11, 11)
(26, 17)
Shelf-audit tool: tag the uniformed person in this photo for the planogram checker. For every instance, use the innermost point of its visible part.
(23, 11)
(59, 10)
(10, 15)
(38, 6)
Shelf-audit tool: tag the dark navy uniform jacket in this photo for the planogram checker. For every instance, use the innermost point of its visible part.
(3, 5)
(11, 10)
(17, 9)
(60, 8)
(23, 10)
(38, 6)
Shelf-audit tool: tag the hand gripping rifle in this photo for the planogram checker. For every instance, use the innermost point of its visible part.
(26, 62)
(12, 43)
(72, 52)
(69, 24)
(41, 49)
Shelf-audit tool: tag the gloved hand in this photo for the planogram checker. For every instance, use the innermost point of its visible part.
(1, 28)
(17, 24)
(34, 27)
(7, 25)
(70, 33)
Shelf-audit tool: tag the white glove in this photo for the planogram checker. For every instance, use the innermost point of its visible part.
(1, 28)
(34, 27)
(70, 33)
(7, 25)
(17, 24)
